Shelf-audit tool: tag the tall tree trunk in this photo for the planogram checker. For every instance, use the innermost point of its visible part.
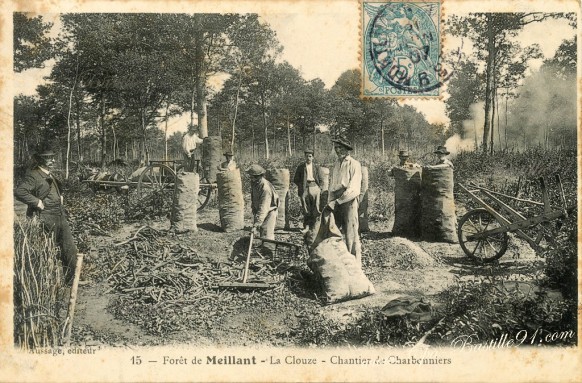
(265, 127)
(78, 123)
(166, 133)
(114, 145)
(192, 105)
(289, 137)
(382, 131)
(493, 105)
(103, 133)
(235, 112)
(69, 128)
(506, 91)
(489, 80)
(143, 151)
(201, 85)
(253, 141)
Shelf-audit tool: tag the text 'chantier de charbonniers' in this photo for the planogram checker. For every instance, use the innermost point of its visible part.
(234, 360)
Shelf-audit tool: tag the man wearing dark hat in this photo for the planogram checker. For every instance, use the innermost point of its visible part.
(264, 203)
(229, 164)
(404, 158)
(344, 188)
(41, 191)
(307, 180)
(442, 161)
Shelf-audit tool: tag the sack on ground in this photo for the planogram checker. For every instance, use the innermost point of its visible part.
(439, 221)
(185, 204)
(280, 178)
(407, 211)
(230, 200)
(336, 269)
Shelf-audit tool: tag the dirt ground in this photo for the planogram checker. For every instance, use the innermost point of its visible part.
(395, 266)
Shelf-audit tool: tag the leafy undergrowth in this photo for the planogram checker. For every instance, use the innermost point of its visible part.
(470, 315)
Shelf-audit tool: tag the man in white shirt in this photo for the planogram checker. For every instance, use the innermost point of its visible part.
(344, 188)
(190, 141)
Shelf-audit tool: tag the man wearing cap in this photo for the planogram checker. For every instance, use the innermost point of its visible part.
(307, 180)
(344, 188)
(41, 191)
(403, 156)
(190, 141)
(264, 203)
(442, 161)
(229, 164)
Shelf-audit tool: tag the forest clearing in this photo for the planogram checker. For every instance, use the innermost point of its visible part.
(449, 222)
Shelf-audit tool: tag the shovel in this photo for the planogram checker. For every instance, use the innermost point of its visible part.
(244, 284)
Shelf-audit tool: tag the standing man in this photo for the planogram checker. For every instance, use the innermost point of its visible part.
(442, 161)
(229, 164)
(190, 141)
(307, 180)
(41, 191)
(264, 203)
(344, 188)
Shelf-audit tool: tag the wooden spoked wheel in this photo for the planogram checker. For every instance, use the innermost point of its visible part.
(204, 194)
(155, 187)
(482, 248)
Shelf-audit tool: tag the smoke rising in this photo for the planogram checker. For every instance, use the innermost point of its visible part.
(472, 131)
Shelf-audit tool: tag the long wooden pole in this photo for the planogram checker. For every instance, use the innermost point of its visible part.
(73, 300)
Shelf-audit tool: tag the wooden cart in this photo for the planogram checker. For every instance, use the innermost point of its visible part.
(155, 184)
(483, 232)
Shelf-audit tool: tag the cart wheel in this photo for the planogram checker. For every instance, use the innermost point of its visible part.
(486, 249)
(204, 194)
(155, 187)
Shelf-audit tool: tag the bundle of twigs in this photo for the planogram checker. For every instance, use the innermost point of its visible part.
(38, 285)
(160, 272)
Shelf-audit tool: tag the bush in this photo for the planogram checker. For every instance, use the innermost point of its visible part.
(562, 260)
(38, 284)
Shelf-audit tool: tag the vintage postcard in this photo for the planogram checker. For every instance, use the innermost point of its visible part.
(327, 190)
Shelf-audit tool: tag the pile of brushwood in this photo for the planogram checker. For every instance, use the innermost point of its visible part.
(164, 286)
(38, 287)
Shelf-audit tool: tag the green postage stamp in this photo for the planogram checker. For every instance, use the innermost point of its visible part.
(401, 47)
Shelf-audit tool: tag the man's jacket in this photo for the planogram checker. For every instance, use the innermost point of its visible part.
(37, 185)
(300, 177)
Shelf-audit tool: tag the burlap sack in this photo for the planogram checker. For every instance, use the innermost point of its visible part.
(439, 222)
(230, 200)
(280, 178)
(363, 202)
(211, 157)
(185, 204)
(407, 204)
(336, 269)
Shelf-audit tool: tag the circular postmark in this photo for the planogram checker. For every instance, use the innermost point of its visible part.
(402, 47)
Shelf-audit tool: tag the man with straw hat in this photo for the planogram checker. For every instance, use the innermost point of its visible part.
(264, 203)
(307, 180)
(42, 192)
(344, 188)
